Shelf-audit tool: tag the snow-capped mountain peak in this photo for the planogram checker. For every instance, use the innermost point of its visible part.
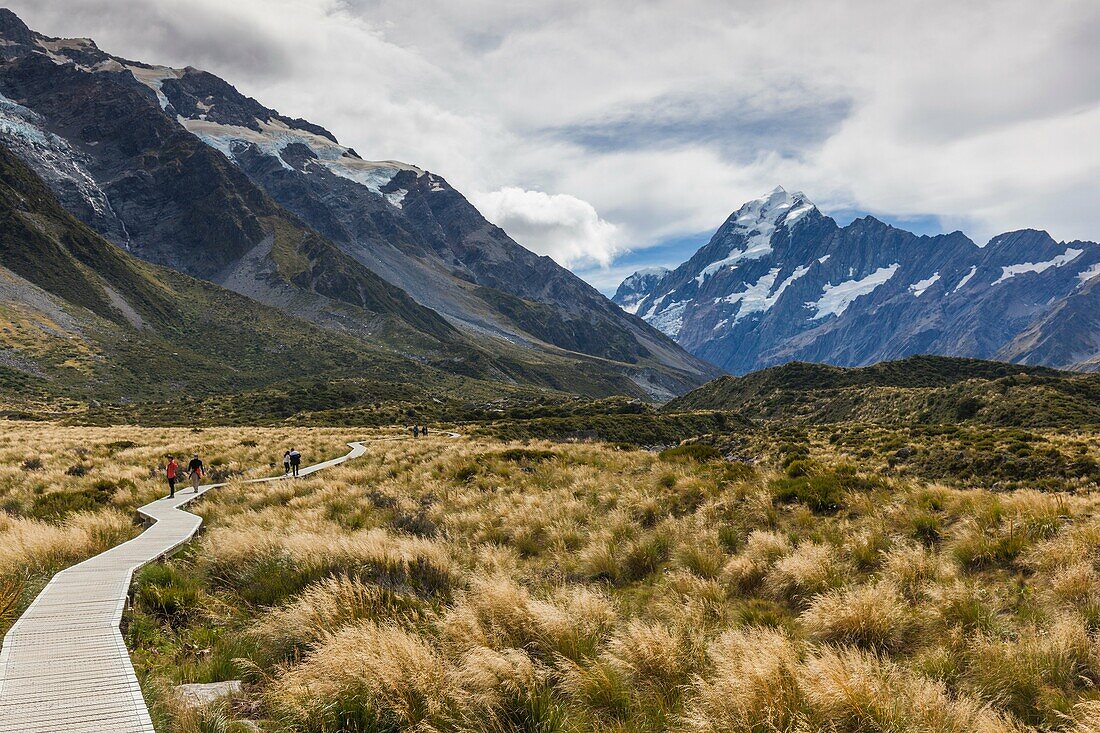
(777, 207)
(781, 281)
(633, 290)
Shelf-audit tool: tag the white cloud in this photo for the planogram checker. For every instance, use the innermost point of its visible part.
(559, 225)
(982, 113)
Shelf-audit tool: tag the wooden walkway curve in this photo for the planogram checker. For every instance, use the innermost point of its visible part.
(64, 666)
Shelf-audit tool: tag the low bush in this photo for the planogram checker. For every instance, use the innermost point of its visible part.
(526, 455)
(698, 452)
(57, 505)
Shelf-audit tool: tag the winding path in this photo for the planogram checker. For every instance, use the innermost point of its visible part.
(64, 665)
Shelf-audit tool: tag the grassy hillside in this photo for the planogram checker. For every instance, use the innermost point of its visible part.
(920, 389)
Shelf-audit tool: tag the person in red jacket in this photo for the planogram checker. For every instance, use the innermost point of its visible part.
(172, 473)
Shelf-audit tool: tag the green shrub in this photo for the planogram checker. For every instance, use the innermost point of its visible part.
(56, 505)
(698, 452)
(799, 468)
(167, 592)
(527, 455)
(823, 492)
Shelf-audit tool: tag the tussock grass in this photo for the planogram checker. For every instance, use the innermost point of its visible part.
(475, 585)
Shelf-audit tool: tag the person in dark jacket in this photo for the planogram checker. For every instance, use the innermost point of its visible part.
(195, 471)
(295, 460)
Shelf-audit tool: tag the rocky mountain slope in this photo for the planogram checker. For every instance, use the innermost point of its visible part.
(182, 170)
(81, 319)
(779, 281)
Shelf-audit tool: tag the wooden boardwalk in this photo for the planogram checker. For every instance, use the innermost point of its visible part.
(64, 666)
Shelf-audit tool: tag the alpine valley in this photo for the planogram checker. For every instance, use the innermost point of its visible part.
(177, 168)
(780, 281)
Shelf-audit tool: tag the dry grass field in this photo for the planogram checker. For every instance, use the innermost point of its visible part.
(476, 585)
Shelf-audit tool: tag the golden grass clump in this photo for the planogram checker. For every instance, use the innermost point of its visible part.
(753, 685)
(811, 569)
(32, 545)
(747, 570)
(364, 677)
(852, 691)
(652, 655)
(497, 613)
(1076, 585)
(1036, 675)
(872, 616)
(326, 606)
(914, 570)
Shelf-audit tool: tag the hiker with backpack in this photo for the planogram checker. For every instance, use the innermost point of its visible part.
(195, 471)
(295, 460)
(286, 463)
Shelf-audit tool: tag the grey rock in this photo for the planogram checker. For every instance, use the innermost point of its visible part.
(198, 694)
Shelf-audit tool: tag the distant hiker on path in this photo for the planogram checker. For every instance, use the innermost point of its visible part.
(286, 463)
(295, 460)
(416, 431)
(424, 431)
(195, 471)
(172, 472)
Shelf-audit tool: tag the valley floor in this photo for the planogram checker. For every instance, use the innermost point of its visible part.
(844, 579)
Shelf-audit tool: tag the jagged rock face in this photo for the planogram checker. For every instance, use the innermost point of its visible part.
(181, 169)
(779, 281)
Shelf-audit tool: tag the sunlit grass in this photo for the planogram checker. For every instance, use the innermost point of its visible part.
(474, 585)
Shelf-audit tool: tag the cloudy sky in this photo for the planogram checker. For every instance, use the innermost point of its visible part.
(613, 134)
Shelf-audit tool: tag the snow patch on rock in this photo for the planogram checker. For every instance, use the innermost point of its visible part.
(1088, 274)
(1010, 271)
(274, 136)
(761, 295)
(52, 157)
(671, 318)
(835, 299)
(154, 77)
(918, 288)
(965, 278)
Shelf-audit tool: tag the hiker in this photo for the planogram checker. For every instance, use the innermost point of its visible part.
(424, 431)
(286, 463)
(295, 460)
(416, 431)
(195, 471)
(172, 472)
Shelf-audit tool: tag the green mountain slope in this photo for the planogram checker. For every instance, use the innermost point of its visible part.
(920, 389)
(82, 319)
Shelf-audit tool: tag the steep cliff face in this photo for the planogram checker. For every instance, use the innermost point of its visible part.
(82, 318)
(779, 282)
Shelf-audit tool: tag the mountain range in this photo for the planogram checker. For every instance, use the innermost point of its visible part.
(177, 168)
(780, 281)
